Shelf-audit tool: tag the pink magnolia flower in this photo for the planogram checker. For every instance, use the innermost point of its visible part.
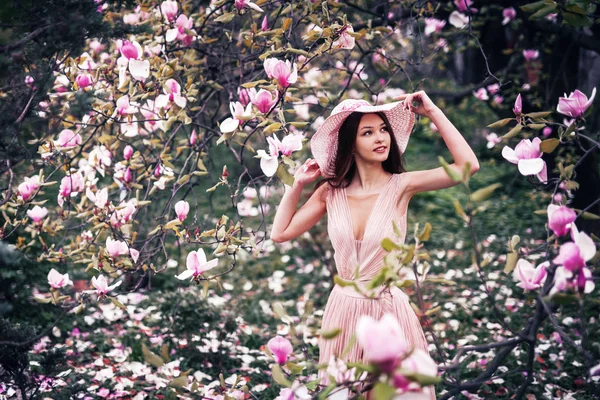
(547, 131)
(481, 94)
(127, 152)
(576, 104)
(560, 219)
(530, 278)
(67, 139)
(128, 176)
(493, 88)
(464, 5)
(99, 198)
(528, 156)
(531, 55)
(169, 9)
(509, 14)
(265, 100)
(458, 20)
(297, 392)
(130, 51)
(37, 213)
(135, 254)
(123, 213)
(565, 280)
(182, 208)
(29, 80)
(132, 59)
(193, 137)
(518, 107)
(70, 185)
(241, 4)
(29, 187)
(283, 71)
(182, 31)
(101, 285)
(264, 26)
(418, 362)
(498, 99)
(382, 341)
(492, 140)
(281, 348)
(116, 248)
(124, 107)
(433, 25)
(573, 255)
(83, 80)
(58, 280)
(197, 264)
(289, 144)
(172, 94)
(345, 41)
(246, 95)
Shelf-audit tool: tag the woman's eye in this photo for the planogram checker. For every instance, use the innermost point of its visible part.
(367, 132)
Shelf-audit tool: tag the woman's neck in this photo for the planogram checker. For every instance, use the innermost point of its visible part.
(368, 179)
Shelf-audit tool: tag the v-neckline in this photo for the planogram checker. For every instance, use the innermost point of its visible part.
(379, 196)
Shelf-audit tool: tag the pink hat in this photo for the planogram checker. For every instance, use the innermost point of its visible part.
(323, 143)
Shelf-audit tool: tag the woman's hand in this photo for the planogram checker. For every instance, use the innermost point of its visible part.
(307, 173)
(419, 103)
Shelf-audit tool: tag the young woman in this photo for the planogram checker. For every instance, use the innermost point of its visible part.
(359, 150)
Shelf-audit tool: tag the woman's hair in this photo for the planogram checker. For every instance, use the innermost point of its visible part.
(345, 166)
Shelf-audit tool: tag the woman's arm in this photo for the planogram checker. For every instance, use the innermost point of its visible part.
(289, 223)
(437, 178)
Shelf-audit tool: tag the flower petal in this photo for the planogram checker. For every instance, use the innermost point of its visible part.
(510, 155)
(532, 166)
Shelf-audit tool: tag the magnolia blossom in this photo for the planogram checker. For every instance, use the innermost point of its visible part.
(169, 9)
(458, 20)
(481, 94)
(241, 4)
(83, 80)
(67, 139)
(433, 25)
(509, 14)
(193, 137)
(528, 156)
(124, 107)
(127, 152)
(565, 280)
(382, 341)
(197, 264)
(518, 107)
(172, 94)
(116, 248)
(150, 112)
(100, 158)
(265, 100)
(239, 114)
(37, 213)
(530, 278)
(183, 31)
(531, 55)
(101, 285)
(492, 140)
(560, 219)
(269, 162)
(246, 95)
(182, 208)
(575, 104)
(70, 186)
(58, 280)
(29, 187)
(464, 5)
(264, 26)
(100, 198)
(123, 213)
(345, 41)
(131, 59)
(418, 362)
(281, 348)
(283, 71)
(493, 88)
(296, 392)
(573, 255)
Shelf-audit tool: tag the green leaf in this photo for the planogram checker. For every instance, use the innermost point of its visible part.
(180, 382)
(117, 303)
(389, 245)
(330, 334)
(249, 85)
(542, 12)
(533, 7)
(279, 377)
(548, 145)
(454, 175)
(576, 20)
(225, 18)
(484, 193)
(539, 114)
(561, 298)
(459, 210)
(152, 358)
(423, 380)
(284, 175)
(383, 391)
(294, 368)
(424, 236)
(511, 262)
(513, 132)
(536, 127)
(433, 310)
(500, 124)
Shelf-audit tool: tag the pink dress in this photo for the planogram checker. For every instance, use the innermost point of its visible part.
(345, 305)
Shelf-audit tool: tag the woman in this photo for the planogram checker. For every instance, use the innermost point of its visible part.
(358, 149)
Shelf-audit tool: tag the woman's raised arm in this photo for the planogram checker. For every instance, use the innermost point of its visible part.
(289, 223)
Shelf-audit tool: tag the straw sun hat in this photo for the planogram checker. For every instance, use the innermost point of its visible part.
(323, 143)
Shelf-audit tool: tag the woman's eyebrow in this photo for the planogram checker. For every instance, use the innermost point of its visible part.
(370, 127)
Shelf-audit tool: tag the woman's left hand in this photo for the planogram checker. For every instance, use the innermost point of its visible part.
(418, 102)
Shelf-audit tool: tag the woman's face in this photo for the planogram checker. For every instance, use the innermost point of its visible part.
(372, 139)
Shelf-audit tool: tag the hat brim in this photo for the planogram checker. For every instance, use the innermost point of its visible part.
(323, 143)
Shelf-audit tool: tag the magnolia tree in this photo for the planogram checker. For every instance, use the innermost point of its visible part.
(221, 98)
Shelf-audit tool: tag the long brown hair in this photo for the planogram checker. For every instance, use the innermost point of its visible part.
(345, 166)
